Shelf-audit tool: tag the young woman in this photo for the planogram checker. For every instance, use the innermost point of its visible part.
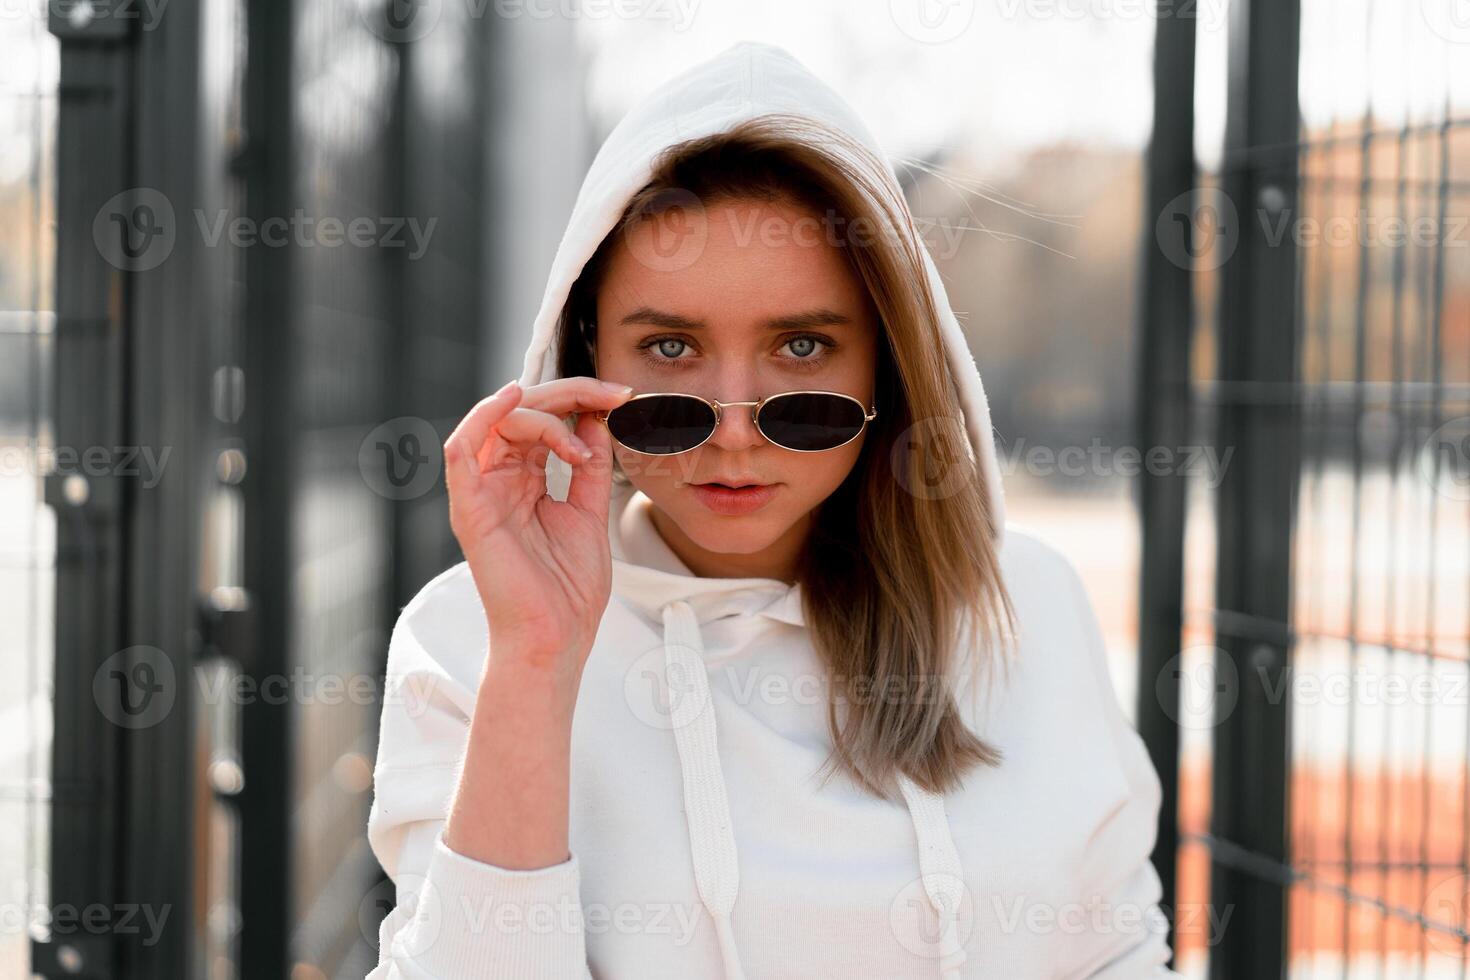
(750, 678)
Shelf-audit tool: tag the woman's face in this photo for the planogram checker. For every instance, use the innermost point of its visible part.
(767, 304)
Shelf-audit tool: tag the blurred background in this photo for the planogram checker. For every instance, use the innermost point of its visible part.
(1213, 258)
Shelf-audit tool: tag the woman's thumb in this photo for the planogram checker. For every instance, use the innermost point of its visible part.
(591, 486)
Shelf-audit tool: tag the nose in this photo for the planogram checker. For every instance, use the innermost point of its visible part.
(737, 430)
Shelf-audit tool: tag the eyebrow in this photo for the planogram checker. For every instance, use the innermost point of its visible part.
(816, 317)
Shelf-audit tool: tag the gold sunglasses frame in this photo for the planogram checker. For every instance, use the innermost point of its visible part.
(759, 403)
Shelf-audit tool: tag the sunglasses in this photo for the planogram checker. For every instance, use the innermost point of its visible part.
(665, 423)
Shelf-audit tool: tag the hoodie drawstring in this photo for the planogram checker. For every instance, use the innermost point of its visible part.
(939, 865)
(707, 807)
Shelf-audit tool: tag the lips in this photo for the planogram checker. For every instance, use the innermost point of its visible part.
(733, 484)
(732, 501)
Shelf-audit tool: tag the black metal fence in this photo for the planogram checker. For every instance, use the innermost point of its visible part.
(1308, 311)
(268, 273)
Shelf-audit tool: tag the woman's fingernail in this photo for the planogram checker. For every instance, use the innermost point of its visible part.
(614, 386)
(506, 387)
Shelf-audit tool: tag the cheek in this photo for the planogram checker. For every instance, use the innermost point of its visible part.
(649, 472)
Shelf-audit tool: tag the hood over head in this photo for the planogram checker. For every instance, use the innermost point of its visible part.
(746, 80)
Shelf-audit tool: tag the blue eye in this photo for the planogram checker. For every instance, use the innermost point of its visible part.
(809, 351)
(809, 346)
(666, 351)
(806, 351)
(669, 349)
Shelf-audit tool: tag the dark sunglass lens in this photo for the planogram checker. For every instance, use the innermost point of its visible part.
(811, 421)
(662, 424)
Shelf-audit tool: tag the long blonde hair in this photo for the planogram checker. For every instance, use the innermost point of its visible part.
(899, 581)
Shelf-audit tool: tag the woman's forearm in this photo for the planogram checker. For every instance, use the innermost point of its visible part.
(511, 803)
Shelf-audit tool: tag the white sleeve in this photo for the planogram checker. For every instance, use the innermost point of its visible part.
(1119, 872)
(455, 917)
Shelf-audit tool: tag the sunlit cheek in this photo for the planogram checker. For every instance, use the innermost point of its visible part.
(646, 470)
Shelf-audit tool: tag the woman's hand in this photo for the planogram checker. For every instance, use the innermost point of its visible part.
(542, 567)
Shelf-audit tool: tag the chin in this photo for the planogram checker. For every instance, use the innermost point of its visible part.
(738, 536)
(743, 535)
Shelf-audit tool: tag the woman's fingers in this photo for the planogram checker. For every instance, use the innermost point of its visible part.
(564, 395)
(462, 448)
(591, 487)
(528, 417)
(528, 427)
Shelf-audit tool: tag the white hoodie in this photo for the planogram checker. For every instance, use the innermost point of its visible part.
(701, 844)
